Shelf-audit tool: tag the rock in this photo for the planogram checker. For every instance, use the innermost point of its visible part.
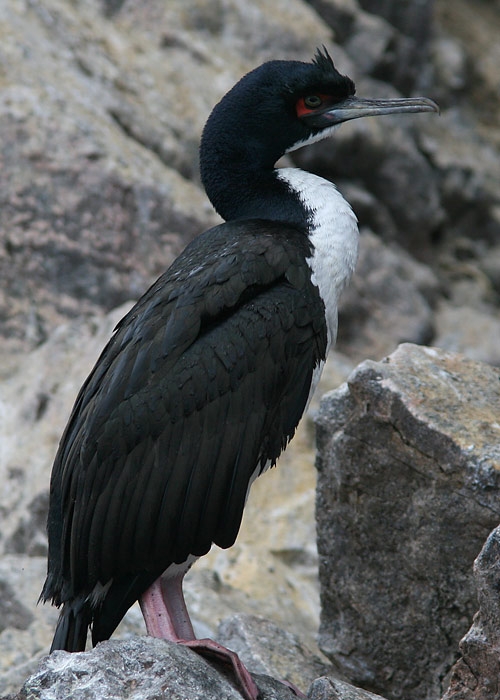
(267, 649)
(340, 15)
(468, 172)
(334, 689)
(476, 676)
(412, 17)
(468, 329)
(26, 628)
(451, 69)
(490, 265)
(36, 396)
(476, 32)
(388, 302)
(387, 42)
(372, 40)
(143, 668)
(408, 490)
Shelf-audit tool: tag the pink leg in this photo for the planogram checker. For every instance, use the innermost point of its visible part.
(166, 616)
(164, 610)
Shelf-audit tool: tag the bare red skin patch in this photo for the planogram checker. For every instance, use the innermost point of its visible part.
(302, 109)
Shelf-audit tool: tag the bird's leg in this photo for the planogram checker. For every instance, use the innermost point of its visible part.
(166, 616)
(164, 610)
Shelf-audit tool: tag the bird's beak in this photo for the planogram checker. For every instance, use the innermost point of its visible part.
(355, 107)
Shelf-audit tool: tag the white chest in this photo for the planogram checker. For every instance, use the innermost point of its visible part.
(334, 236)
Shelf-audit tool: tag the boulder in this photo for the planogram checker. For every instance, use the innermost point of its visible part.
(408, 490)
(144, 668)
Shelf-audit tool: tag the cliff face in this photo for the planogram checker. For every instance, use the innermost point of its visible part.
(101, 110)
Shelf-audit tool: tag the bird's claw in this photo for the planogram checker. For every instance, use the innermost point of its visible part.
(213, 651)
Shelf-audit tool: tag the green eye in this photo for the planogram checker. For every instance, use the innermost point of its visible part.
(312, 101)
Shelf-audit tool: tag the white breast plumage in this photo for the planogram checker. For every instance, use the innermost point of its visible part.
(334, 235)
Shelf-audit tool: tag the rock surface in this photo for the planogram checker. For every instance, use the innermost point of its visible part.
(143, 668)
(476, 676)
(408, 490)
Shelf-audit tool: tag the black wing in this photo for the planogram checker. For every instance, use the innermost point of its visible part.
(203, 383)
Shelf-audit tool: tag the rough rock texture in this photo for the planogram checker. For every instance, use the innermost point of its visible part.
(143, 668)
(390, 301)
(329, 688)
(408, 490)
(266, 649)
(476, 676)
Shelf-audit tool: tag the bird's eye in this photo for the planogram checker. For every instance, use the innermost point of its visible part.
(310, 103)
(313, 101)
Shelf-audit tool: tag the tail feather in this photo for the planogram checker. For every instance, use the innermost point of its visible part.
(102, 615)
(72, 627)
(122, 594)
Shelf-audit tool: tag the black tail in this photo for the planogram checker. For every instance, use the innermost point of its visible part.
(122, 594)
(72, 627)
(78, 614)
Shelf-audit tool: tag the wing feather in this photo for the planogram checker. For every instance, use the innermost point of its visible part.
(203, 382)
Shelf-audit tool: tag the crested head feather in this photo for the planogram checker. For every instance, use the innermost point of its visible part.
(323, 60)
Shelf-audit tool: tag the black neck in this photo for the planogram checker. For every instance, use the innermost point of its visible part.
(237, 158)
(251, 193)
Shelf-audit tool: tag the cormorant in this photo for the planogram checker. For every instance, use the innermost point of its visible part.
(204, 381)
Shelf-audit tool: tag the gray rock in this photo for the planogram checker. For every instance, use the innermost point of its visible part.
(371, 41)
(450, 63)
(490, 264)
(468, 329)
(412, 17)
(467, 174)
(26, 628)
(476, 676)
(86, 207)
(388, 41)
(408, 490)
(340, 15)
(334, 689)
(143, 668)
(267, 649)
(36, 395)
(388, 302)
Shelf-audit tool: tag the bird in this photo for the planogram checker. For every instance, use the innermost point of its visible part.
(203, 382)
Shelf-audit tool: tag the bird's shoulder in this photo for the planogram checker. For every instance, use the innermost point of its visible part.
(251, 275)
(220, 265)
(216, 274)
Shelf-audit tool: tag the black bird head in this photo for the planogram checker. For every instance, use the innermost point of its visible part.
(280, 106)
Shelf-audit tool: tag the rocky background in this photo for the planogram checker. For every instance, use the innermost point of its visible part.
(102, 103)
